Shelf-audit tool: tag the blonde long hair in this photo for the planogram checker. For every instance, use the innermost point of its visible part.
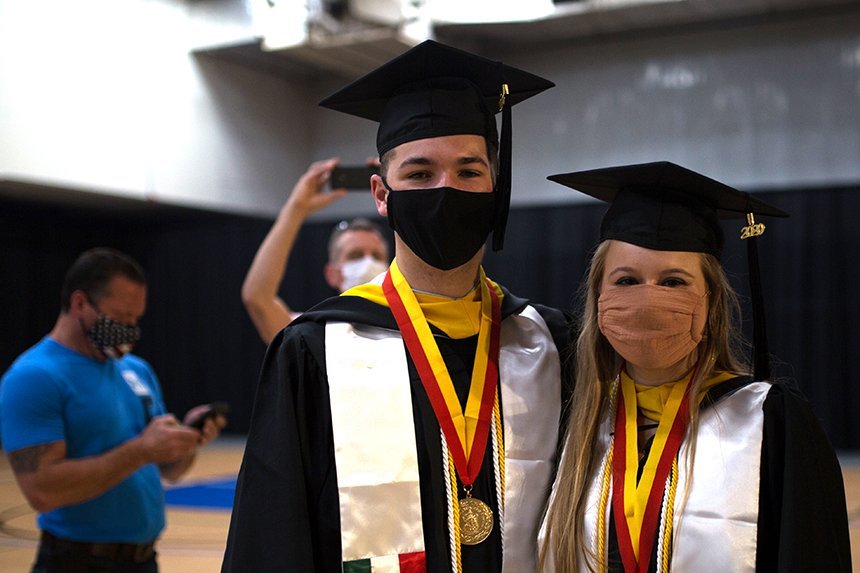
(596, 368)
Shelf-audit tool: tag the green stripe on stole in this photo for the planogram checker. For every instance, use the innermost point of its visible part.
(358, 566)
(382, 564)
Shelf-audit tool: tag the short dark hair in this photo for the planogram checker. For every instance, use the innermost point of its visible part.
(93, 270)
(357, 224)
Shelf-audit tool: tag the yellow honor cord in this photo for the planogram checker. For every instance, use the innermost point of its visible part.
(669, 513)
(500, 446)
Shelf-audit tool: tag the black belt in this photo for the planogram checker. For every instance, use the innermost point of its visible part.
(138, 553)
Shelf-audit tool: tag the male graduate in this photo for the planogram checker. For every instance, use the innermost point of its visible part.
(411, 424)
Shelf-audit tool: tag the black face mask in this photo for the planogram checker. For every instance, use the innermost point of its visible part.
(114, 339)
(443, 226)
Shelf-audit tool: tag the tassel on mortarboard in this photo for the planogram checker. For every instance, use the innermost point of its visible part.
(761, 357)
(503, 187)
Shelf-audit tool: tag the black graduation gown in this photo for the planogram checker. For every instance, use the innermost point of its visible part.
(286, 515)
(802, 517)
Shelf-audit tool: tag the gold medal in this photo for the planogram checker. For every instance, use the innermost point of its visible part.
(476, 521)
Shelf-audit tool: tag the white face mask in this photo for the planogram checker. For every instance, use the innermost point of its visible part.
(360, 271)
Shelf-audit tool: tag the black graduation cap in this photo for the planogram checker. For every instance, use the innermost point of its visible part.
(666, 207)
(434, 90)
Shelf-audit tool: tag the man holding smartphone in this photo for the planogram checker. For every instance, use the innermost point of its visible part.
(411, 424)
(357, 251)
(85, 427)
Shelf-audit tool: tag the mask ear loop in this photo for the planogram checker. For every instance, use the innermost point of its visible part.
(90, 302)
(388, 192)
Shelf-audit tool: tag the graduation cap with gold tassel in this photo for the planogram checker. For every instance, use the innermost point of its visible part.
(666, 207)
(434, 90)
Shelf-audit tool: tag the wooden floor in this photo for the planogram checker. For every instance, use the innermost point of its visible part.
(194, 540)
(192, 543)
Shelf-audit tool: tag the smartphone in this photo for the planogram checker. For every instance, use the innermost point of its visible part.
(215, 409)
(352, 177)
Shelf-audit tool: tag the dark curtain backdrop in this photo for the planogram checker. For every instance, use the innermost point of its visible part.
(203, 347)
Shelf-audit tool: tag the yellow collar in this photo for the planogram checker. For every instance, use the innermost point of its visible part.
(456, 317)
(650, 400)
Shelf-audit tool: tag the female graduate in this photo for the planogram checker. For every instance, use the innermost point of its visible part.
(677, 457)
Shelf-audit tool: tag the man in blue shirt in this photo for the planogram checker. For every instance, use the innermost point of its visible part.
(85, 429)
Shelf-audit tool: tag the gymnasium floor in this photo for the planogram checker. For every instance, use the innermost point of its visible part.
(195, 537)
(192, 543)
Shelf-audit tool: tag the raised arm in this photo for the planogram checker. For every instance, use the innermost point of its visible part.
(267, 310)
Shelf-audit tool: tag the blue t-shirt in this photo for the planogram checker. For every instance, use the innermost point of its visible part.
(52, 393)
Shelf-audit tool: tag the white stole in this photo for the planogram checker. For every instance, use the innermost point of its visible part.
(374, 437)
(716, 526)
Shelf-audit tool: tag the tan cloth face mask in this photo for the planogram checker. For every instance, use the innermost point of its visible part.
(652, 326)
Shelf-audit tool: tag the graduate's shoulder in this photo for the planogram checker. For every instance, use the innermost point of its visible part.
(307, 332)
(787, 400)
(784, 404)
(558, 321)
(352, 309)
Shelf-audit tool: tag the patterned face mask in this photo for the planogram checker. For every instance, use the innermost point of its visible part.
(114, 339)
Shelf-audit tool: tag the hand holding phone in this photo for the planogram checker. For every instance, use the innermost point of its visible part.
(214, 409)
(352, 177)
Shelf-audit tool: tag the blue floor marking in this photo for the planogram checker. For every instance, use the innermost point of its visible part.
(209, 494)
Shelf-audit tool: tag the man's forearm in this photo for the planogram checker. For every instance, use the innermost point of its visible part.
(260, 287)
(50, 480)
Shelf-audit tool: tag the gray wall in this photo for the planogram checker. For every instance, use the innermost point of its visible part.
(756, 106)
(108, 97)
